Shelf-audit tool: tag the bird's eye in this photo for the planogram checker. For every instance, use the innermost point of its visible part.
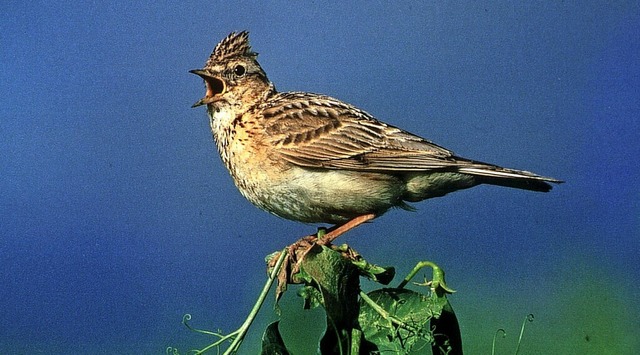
(239, 70)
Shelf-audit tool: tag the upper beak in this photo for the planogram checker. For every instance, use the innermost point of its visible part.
(215, 86)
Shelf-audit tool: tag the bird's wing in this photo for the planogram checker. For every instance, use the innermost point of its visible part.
(321, 132)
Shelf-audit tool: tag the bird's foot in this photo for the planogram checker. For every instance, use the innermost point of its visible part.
(296, 253)
(298, 250)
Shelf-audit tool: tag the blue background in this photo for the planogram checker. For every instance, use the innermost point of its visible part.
(117, 216)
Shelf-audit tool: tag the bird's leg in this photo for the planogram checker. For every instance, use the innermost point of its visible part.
(334, 232)
(299, 249)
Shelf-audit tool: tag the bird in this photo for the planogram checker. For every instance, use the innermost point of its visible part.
(313, 158)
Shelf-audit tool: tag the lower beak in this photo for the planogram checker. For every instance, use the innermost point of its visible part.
(214, 85)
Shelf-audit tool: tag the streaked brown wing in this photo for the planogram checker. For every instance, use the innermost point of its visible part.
(318, 131)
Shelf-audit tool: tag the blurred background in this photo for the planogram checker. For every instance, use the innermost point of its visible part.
(117, 216)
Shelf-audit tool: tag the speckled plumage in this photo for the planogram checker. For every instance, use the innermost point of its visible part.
(316, 159)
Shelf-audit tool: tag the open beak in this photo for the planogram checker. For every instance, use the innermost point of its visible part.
(215, 86)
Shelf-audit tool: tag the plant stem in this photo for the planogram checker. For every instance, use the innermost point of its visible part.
(242, 331)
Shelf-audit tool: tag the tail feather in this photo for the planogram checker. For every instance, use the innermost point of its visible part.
(520, 179)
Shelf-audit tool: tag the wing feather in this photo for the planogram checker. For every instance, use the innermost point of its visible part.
(318, 131)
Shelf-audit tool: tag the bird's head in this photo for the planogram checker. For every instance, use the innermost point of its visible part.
(232, 74)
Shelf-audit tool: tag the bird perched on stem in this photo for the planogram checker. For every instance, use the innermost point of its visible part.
(315, 159)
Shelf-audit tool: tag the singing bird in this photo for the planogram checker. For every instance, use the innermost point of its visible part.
(315, 159)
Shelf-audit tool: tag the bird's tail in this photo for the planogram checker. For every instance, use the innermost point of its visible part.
(520, 179)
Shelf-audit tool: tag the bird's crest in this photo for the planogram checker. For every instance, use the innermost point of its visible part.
(235, 44)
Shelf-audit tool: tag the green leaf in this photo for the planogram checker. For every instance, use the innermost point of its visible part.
(272, 343)
(405, 326)
(446, 331)
(311, 295)
(381, 274)
(335, 284)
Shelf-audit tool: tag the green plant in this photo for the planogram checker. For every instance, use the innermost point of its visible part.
(387, 320)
